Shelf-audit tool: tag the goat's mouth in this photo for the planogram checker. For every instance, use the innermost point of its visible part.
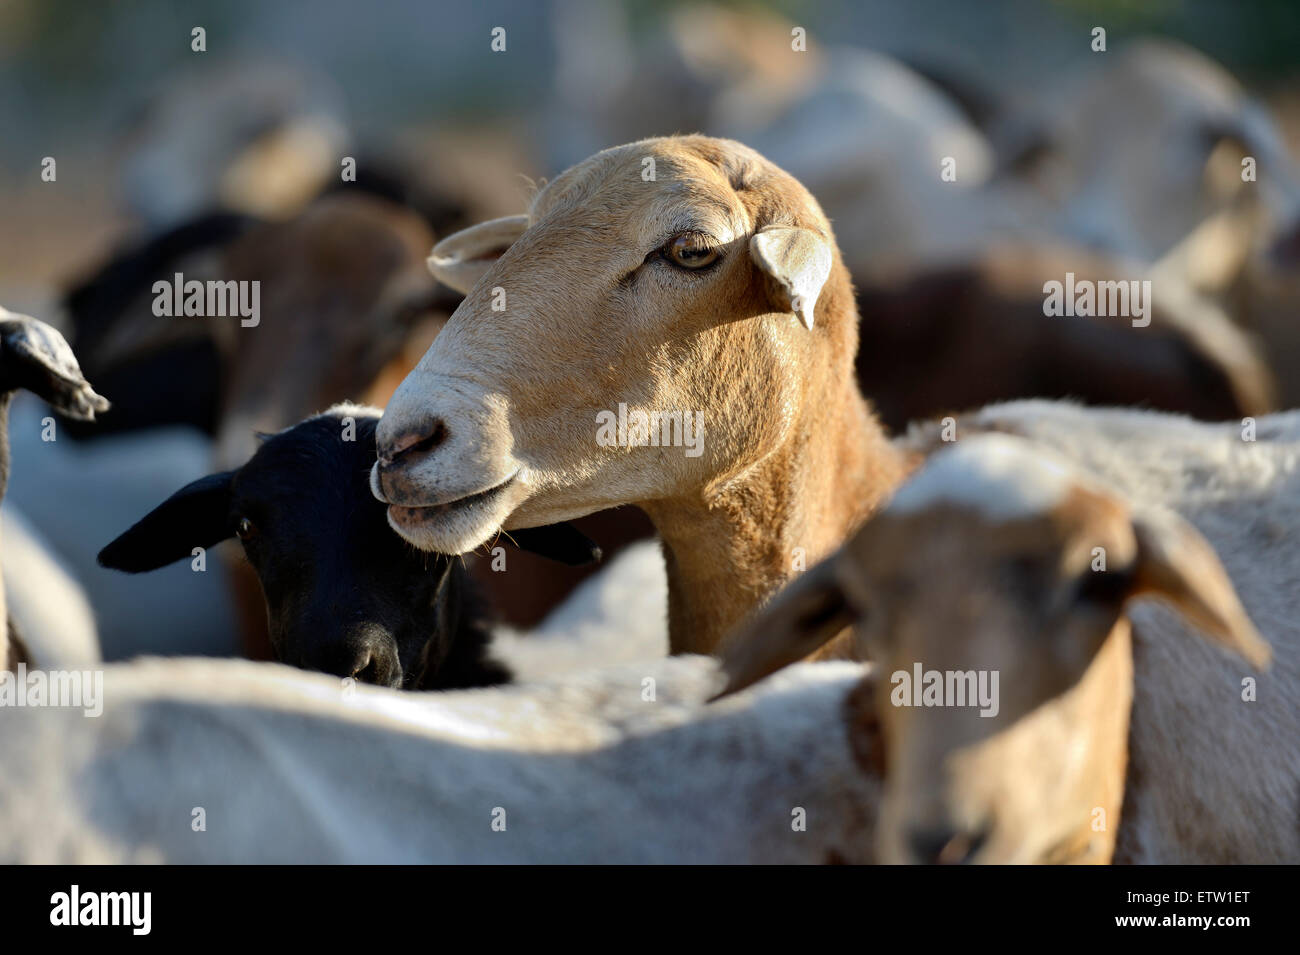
(457, 525)
(424, 511)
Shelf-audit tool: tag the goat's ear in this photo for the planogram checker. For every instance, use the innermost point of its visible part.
(198, 515)
(460, 260)
(562, 543)
(808, 613)
(1212, 256)
(798, 261)
(1177, 564)
(35, 356)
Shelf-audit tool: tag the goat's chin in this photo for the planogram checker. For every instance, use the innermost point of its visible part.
(448, 529)
(535, 513)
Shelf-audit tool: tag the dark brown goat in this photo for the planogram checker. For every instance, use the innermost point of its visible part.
(954, 338)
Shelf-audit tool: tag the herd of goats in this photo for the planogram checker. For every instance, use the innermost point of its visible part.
(983, 550)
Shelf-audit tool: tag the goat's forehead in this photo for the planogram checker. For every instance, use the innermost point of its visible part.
(956, 539)
(989, 499)
(1000, 477)
(955, 549)
(326, 450)
(666, 184)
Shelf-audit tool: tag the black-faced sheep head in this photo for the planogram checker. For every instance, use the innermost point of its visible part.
(344, 594)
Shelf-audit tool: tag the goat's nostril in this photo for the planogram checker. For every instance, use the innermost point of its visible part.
(414, 442)
(366, 670)
(944, 846)
(437, 434)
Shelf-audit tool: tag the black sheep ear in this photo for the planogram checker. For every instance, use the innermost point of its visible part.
(562, 543)
(198, 515)
(35, 356)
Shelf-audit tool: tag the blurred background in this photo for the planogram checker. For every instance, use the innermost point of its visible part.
(1120, 163)
(76, 78)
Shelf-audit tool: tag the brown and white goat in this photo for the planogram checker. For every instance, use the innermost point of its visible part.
(991, 594)
(674, 275)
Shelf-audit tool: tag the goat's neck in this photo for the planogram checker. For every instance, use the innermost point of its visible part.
(731, 546)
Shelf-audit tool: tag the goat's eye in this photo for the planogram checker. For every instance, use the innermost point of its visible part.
(245, 529)
(689, 251)
(1105, 587)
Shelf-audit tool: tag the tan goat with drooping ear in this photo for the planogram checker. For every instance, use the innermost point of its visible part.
(1004, 661)
(687, 277)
